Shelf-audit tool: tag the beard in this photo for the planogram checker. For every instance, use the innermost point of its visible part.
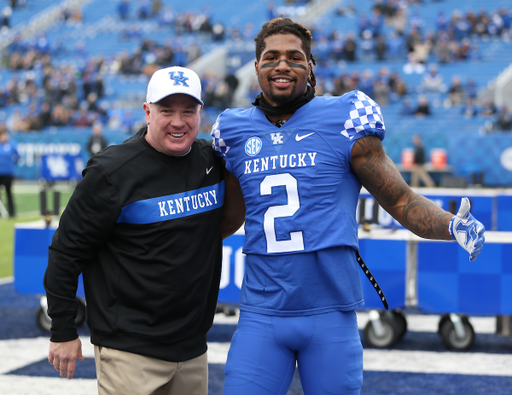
(281, 98)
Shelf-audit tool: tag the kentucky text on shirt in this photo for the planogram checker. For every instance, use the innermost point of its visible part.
(174, 206)
(282, 161)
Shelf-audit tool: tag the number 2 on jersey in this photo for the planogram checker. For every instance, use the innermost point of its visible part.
(296, 242)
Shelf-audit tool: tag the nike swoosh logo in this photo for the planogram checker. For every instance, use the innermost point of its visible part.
(299, 138)
(209, 170)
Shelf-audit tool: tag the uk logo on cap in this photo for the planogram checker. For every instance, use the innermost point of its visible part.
(178, 78)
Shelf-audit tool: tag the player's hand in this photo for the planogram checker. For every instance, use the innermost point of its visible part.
(468, 231)
(63, 356)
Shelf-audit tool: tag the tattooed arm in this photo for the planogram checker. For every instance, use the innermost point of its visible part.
(379, 175)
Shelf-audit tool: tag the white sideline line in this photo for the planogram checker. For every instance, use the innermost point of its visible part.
(6, 280)
(22, 352)
(17, 353)
(438, 362)
(429, 322)
(14, 385)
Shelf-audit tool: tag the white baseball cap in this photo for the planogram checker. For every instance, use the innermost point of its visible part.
(172, 80)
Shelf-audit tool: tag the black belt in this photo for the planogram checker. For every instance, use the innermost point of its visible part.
(372, 280)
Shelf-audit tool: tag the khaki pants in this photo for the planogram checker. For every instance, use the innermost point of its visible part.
(124, 373)
(420, 174)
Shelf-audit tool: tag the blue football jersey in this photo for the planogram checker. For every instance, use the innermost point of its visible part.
(301, 195)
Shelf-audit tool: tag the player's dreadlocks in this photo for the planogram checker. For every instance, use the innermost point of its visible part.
(286, 26)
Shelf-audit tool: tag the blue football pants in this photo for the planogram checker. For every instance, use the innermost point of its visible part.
(265, 350)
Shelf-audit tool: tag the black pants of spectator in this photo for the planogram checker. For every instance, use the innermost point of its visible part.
(6, 181)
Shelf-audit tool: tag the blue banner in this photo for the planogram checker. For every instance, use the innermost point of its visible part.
(33, 146)
(61, 167)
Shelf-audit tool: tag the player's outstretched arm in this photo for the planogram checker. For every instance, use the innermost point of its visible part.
(383, 180)
(420, 215)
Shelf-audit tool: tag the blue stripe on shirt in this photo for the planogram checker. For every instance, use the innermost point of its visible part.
(169, 207)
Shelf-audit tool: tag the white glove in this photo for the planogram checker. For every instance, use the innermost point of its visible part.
(468, 232)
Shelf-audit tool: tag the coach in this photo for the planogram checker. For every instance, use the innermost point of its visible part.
(144, 228)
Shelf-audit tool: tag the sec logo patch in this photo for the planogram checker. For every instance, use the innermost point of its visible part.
(253, 146)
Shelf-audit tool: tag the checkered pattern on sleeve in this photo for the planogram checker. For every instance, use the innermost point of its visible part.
(219, 145)
(364, 114)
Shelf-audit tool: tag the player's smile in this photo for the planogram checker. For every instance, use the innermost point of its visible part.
(283, 69)
(282, 82)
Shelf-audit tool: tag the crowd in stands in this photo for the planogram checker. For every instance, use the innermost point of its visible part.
(41, 92)
(389, 32)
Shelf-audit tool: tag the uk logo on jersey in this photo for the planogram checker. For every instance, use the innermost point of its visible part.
(253, 146)
(277, 138)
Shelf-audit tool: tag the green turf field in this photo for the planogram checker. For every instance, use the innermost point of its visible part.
(28, 209)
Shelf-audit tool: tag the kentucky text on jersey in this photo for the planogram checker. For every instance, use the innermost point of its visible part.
(280, 161)
(174, 206)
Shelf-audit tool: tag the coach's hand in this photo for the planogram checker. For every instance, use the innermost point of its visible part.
(468, 232)
(63, 356)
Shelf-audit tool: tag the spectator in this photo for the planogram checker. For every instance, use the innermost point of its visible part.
(82, 117)
(8, 159)
(381, 47)
(464, 49)
(470, 109)
(376, 22)
(487, 109)
(16, 121)
(461, 28)
(442, 51)
(128, 122)
(456, 93)
(433, 81)
(156, 7)
(123, 9)
(363, 23)
(6, 18)
(271, 10)
(60, 116)
(423, 108)
(396, 46)
(471, 88)
(419, 173)
(221, 96)
(45, 115)
(167, 17)
(399, 21)
(366, 82)
(442, 23)
(97, 142)
(367, 47)
(32, 118)
(413, 66)
(416, 22)
(422, 49)
(144, 10)
(504, 120)
(218, 32)
(407, 108)
(381, 92)
(349, 48)
(232, 82)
